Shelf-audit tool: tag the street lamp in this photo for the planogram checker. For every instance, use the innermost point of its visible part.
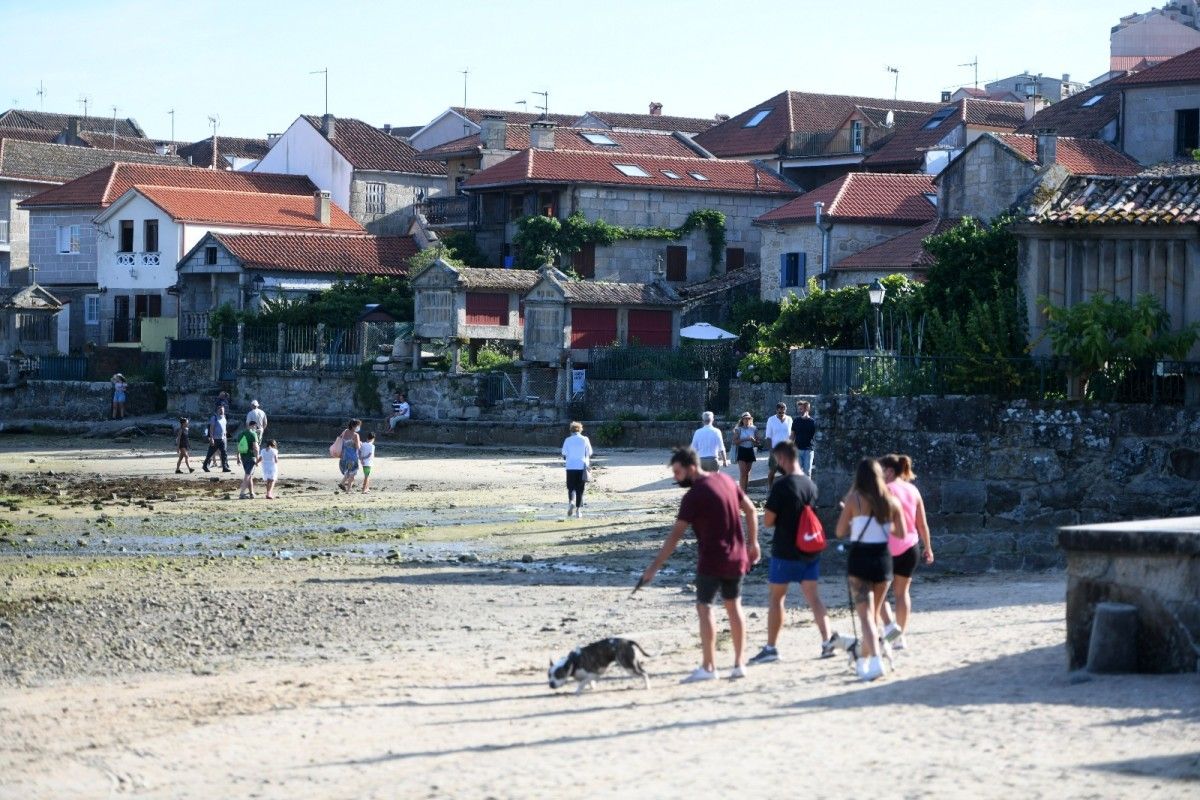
(876, 291)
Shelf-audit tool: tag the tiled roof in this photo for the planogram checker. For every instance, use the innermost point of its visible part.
(16, 118)
(863, 197)
(721, 283)
(30, 134)
(200, 153)
(603, 293)
(245, 209)
(790, 112)
(500, 280)
(1183, 68)
(476, 115)
(516, 137)
(1080, 156)
(572, 167)
(904, 252)
(324, 253)
(1072, 117)
(100, 188)
(653, 122)
(1123, 201)
(59, 163)
(368, 148)
(906, 149)
(28, 298)
(127, 143)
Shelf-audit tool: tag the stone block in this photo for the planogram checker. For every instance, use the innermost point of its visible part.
(953, 414)
(963, 497)
(1001, 497)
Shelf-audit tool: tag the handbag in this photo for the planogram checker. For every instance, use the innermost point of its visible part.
(335, 449)
(810, 535)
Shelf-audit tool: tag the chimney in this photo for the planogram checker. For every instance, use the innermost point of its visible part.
(72, 131)
(387, 128)
(162, 148)
(655, 109)
(721, 118)
(1066, 77)
(945, 97)
(492, 130)
(321, 206)
(328, 126)
(541, 134)
(1047, 147)
(1033, 104)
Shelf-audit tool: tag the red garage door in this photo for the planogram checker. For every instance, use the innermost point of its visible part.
(487, 308)
(593, 327)
(650, 328)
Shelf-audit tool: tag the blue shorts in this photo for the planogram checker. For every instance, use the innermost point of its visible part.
(785, 570)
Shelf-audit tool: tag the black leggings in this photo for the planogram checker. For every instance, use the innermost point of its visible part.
(217, 447)
(575, 484)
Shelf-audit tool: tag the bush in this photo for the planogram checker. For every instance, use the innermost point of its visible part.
(490, 359)
(766, 365)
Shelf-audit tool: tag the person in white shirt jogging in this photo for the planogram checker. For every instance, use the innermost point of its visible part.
(779, 430)
(708, 442)
(577, 453)
(366, 458)
(257, 416)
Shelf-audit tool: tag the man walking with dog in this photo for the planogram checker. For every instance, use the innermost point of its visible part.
(714, 506)
(791, 494)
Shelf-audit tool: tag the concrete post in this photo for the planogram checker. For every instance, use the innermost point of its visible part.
(524, 381)
(455, 358)
(280, 344)
(416, 353)
(362, 343)
(320, 345)
(241, 345)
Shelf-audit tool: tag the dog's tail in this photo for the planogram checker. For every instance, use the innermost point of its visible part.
(639, 648)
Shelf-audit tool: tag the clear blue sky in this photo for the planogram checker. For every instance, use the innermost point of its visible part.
(402, 62)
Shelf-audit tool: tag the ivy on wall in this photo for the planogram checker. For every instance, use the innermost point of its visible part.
(540, 239)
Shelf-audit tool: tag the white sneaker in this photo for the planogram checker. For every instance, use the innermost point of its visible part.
(860, 668)
(737, 673)
(873, 670)
(892, 632)
(900, 643)
(570, 510)
(701, 674)
(579, 512)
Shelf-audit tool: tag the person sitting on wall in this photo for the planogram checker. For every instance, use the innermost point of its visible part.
(401, 411)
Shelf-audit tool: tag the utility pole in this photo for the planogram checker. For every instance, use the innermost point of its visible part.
(974, 64)
(545, 106)
(324, 72)
(895, 83)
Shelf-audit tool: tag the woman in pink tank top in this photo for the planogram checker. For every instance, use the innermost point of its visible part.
(897, 471)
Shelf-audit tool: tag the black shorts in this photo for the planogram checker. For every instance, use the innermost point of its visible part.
(248, 463)
(905, 564)
(871, 563)
(708, 585)
(746, 454)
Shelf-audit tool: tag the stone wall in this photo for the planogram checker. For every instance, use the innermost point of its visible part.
(190, 387)
(844, 240)
(985, 182)
(82, 400)
(1000, 478)
(606, 399)
(400, 195)
(757, 398)
(1148, 118)
(54, 267)
(17, 256)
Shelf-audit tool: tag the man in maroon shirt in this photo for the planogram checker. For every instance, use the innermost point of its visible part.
(712, 507)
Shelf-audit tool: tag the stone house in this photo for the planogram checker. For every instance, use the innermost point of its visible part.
(1160, 111)
(240, 269)
(1028, 84)
(632, 191)
(376, 177)
(470, 303)
(1143, 39)
(457, 122)
(27, 323)
(938, 137)
(809, 236)
(1125, 236)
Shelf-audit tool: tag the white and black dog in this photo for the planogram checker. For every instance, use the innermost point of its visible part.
(586, 664)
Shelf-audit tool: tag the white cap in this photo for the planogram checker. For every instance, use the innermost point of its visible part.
(254, 404)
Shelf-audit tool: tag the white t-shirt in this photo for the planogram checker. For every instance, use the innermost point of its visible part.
(708, 442)
(779, 430)
(270, 461)
(257, 415)
(577, 450)
(366, 454)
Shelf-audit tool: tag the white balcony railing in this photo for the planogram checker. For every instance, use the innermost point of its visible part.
(3, 231)
(138, 259)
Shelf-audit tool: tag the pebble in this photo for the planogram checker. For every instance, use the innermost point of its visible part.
(341, 529)
(526, 559)
(469, 558)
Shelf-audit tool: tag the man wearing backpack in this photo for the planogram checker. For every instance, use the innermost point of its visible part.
(790, 497)
(247, 444)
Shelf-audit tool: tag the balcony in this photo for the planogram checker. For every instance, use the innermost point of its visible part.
(193, 325)
(449, 212)
(121, 330)
(132, 260)
(824, 144)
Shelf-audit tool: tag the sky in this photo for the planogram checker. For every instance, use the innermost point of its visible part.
(399, 62)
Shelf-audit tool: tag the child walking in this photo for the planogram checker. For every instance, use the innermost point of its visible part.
(366, 457)
(269, 458)
(181, 444)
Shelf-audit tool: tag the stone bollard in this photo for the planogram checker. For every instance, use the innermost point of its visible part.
(1113, 645)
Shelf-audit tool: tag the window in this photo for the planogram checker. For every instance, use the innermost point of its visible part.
(600, 139)
(487, 308)
(632, 171)
(932, 198)
(735, 258)
(210, 256)
(939, 118)
(758, 117)
(516, 207)
(150, 236)
(91, 309)
(1091, 101)
(792, 269)
(121, 306)
(68, 239)
(548, 204)
(698, 176)
(147, 305)
(375, 198)
(1187, 130)
(673, 176)
(856, 136)
(126, 240)
(677, 262)
(583, 261)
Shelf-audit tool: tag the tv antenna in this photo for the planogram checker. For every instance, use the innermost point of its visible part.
(522, 103)
(896, 82)
(172, 113)
(83, 101)
(114, 108)
(324, 72)
(466, 73)
(545, 106)
(41, 94)
(214, 120)
(974, 64)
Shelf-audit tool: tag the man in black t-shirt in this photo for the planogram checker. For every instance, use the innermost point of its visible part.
(804, 429)
(787, 500)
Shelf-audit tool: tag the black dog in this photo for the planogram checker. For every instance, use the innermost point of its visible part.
(586, 664)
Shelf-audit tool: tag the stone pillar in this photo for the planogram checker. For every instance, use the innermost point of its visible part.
(241, 345)
(416, 353)
(362, 343)
(455, 358)
(320, 345)
(524, 381)
(280, 345)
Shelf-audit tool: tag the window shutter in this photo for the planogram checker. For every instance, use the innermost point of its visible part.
(801, 269)
(783, 270)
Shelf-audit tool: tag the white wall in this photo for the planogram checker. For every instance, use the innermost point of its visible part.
(445, 128)
(108, 241)
(302, 150)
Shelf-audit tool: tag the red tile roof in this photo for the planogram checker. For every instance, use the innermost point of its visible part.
(790, 112)
(904, 252)
(1080, 156)
(323, 253)
(516, 137)
(653, 122)
(245, 209)
(1183, 68)
(573, 167)
(1140, 200)
(1072, 117)
(906, 149)
(864, 197)
(476, 115)
(100, 188)
(368, 148)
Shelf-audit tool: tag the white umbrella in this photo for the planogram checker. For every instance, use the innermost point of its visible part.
(709, 333)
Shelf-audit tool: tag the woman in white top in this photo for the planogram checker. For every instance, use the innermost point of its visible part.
(870, 516)
(577, 453)
(269, 458)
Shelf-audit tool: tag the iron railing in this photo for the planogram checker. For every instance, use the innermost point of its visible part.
(455, 210)
(58, 368)
(189, 349)
(803, 144)
(301, 347)
(122, 330)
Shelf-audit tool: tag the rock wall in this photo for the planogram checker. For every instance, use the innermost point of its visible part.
(78, 400)
(606, 399)
(757, 398)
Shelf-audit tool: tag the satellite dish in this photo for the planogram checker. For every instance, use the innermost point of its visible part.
(890, 120)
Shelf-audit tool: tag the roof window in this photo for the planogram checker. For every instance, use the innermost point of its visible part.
(698, 176)
(673, 176)
(600, 139)
(632, 171)
(1091, 101)
(939, 118)
(758, 117)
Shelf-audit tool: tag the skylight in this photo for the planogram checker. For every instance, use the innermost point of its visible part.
(698, 176)
(757, 118)
(938, 118)
(671, 175)
(599, 138)
(1091, 101)
(632, 171)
